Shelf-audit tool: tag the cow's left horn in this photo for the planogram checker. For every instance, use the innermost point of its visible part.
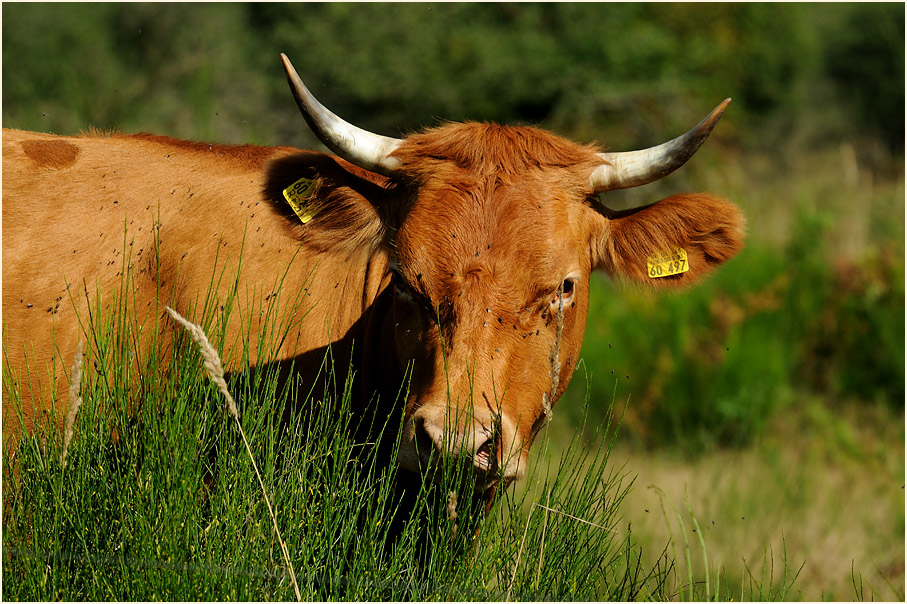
(358, 146)
(635, 168)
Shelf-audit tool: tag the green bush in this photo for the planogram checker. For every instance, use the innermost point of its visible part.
(713, 365)
(625, 74)
(701, 368)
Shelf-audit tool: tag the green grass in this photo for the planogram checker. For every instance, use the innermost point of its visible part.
(159, 500)
(824, 489)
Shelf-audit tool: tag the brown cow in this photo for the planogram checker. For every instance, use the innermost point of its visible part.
(462, 253)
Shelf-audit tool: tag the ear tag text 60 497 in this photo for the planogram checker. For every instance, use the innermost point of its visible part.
(298, 196)
(665, 265)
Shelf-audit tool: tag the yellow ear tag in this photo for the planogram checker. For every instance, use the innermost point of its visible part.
(298, 194)
(665, 265)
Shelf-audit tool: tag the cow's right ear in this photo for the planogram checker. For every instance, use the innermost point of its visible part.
(672, 243)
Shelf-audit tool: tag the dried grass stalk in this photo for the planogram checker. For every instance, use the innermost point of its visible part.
(555, 356)
(452, 512)
(519, 555)
(216, 373)
(75, 399)
(211, 360)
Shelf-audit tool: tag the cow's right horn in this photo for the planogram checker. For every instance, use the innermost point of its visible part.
(635, 168)
(358, 146)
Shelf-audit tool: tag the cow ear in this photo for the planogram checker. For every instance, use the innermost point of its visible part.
(338, 205)
(672, 243)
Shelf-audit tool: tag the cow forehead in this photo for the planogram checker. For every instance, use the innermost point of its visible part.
(481, 149)
(497, 203)
(511, 239)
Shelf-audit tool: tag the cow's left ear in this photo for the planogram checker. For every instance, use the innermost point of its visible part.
(674, 242)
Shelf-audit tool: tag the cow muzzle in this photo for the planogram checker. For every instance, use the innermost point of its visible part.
(488, 447)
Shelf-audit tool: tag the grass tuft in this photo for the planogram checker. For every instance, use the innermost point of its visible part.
(216, 372)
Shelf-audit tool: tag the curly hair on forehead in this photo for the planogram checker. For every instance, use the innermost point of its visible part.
(485, 149)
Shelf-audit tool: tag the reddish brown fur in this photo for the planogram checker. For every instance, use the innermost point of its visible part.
(51, 154)
(483, 222)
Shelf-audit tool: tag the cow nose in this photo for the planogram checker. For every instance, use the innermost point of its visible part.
(474, 442)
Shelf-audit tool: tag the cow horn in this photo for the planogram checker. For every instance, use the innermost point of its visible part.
(635, 168)
(358, 146)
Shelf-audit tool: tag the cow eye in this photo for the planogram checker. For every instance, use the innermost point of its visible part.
(565, 291)
(401, 287)
(404, 291)
(567, 287)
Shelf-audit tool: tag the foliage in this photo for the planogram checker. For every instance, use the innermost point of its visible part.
(865, 57)
(807, 321)
(713, 366)
(625, 73)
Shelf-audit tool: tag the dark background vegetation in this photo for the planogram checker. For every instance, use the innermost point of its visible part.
(809, 148)
(615, 72)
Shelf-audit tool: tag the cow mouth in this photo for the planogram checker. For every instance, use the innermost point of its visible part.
(480, 484)
(470, 476)
(475, 453)
(480, 473)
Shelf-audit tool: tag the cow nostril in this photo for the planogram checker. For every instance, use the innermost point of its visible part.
(425, 444)
(479, 447)
(484, 457)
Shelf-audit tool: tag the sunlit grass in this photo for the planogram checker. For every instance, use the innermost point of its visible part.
(168, 499)
(824, 490)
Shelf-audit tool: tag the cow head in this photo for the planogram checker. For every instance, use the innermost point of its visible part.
(496, 234)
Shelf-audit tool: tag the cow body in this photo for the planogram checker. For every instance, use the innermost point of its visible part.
(169, 212)
(463, 256)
